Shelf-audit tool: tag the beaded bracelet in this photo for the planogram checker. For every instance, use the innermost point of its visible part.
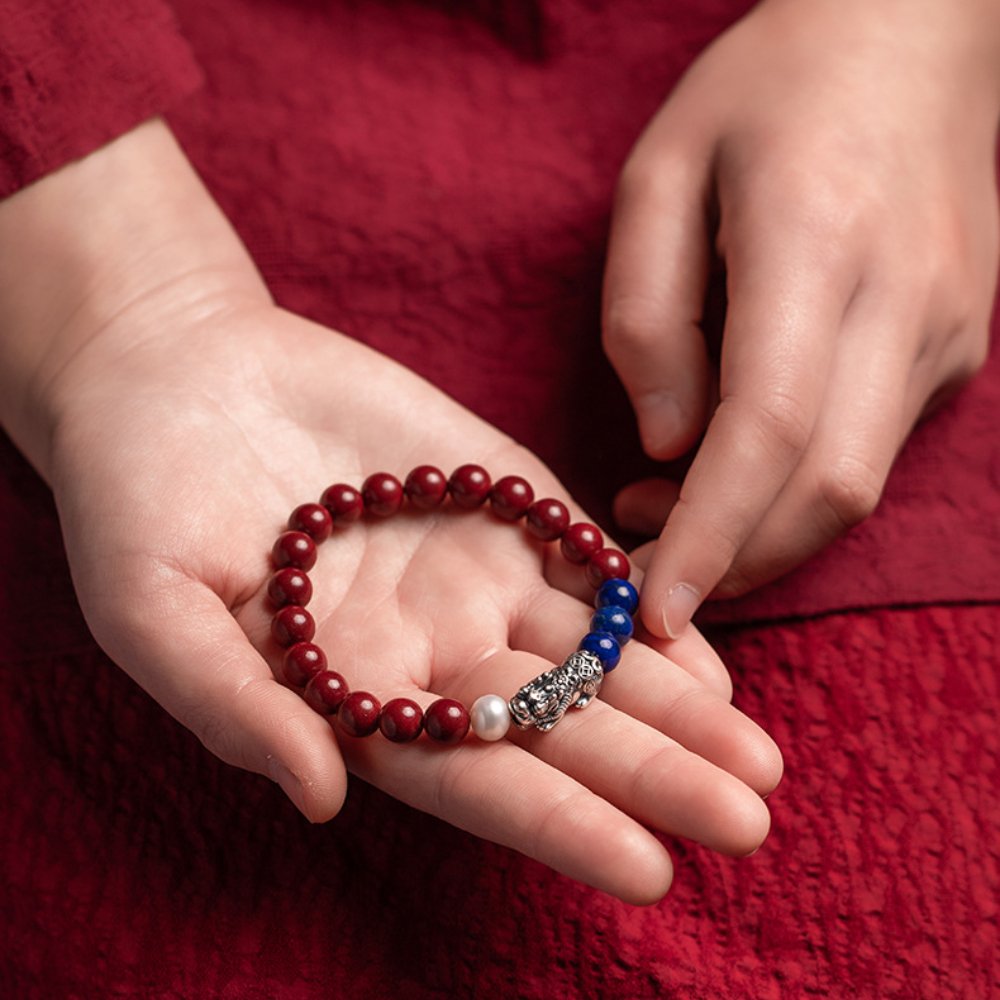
(540, 703)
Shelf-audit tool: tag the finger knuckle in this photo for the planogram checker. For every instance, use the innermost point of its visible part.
(850, 491)
(780, 416)
(631, 326)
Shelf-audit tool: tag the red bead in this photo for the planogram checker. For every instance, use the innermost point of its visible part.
(446, 721)
(511, 497)
(469, 486)
(426, 487)
(295, 549)
(343, 502)
(547, 519)
(312, 519)
(382, 494)
(580, 541)
(401, 720)
(359, 713)
(326, 692)
(302, 662)
(292, 624)
(607, 564)
(289, 586)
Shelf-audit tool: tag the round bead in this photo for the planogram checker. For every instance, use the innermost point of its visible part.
(607, 564)
(426, 487)
(604, 646)
(490, 717)
(511, 497)
(343, 502)
(326, 692)
(313, 519)
(292, 624)
(580, 541)
(382, 494)
(615, 620)
(401, 720)
(446, 721)
(359, 714)
(469, 486)
(295, 549)
(302, 662)
(289, 586)
(619, 592)
(547, 519)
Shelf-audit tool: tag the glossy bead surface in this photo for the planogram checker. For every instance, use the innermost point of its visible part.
(446, 721)
(615, 620)
(382, 494)
(289, 586)
(547, 519)
(426, 487)
(325, 692)
(511, 497)
(343, 503)
(580, 541)
(302, 663)
(607, 564)
(490, 717)
(604, 646)
(619, 592)
(292, 624)
(295, 549)
(313, 519)
(401, 720)
(469, 486)
(359, 714)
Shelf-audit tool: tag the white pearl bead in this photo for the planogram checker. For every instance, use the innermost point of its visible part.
(490, 717)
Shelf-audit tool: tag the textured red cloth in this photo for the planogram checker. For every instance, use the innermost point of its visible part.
(435, 177)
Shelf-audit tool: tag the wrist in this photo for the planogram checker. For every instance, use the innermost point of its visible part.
(114, 248)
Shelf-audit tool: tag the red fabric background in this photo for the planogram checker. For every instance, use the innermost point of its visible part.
(434, 178)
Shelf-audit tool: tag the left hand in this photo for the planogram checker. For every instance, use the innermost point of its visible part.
(838, 158)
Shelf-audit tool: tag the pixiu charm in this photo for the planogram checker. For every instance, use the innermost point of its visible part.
(541, 703)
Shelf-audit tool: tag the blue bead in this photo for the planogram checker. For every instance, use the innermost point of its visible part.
(617, 592)
(604, 646)
(615, 620)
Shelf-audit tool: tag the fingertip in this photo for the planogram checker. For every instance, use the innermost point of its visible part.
(667, 427)
(650, 876)
(747, 826)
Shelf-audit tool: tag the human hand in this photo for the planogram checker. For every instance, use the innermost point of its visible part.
(182, 428)
(837, 160)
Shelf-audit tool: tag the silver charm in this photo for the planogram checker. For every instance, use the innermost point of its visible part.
(543, 701)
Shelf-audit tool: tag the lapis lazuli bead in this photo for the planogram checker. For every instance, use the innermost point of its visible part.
(619, 592)
(604, 646)
(615, 620)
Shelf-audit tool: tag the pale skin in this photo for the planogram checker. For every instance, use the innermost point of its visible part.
(179, 415)
(837, 160)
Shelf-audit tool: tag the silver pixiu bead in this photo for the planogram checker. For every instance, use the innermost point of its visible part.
(543, 701)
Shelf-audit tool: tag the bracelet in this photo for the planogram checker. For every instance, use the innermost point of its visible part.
(540, 703)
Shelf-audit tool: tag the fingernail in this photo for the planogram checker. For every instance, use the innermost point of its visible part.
(661, 420)
(682, 602)
(290, 785)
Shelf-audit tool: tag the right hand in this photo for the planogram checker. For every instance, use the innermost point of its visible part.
(179, 432)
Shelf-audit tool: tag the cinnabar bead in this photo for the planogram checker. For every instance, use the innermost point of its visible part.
(401, 720)
(359, 714)
(313, 519)
(302, 662)
(426, 487)
(292, 624)
(289, 586)
(547, 519)
(446, 721)
(580, 541)
(326, 692)
(382, 494)
(607, 564)
(295, 549)
(469, 486)
(511, 497)
(343, 503)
